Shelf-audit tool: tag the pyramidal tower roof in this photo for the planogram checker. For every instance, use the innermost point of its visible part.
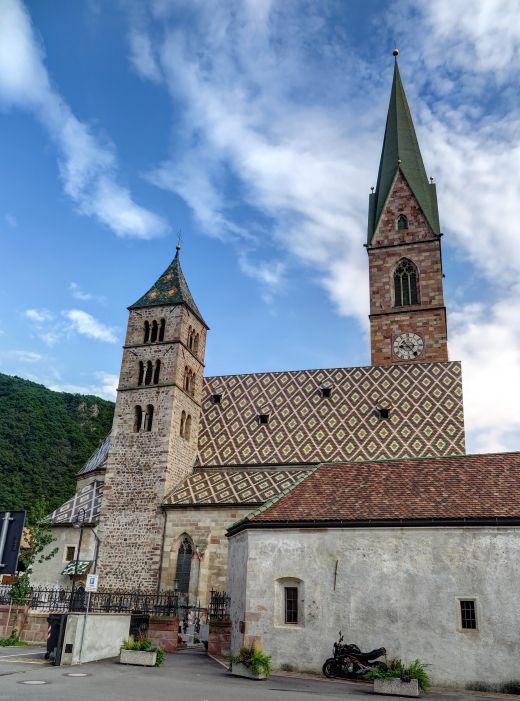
(170, 288)
(401, 152)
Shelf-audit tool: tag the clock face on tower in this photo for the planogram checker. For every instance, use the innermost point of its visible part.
(408, 346)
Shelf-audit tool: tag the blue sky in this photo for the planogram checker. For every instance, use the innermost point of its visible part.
(255, 128)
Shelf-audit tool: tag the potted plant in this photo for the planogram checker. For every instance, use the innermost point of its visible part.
(141, 652)
(395, 678)
(251, 663)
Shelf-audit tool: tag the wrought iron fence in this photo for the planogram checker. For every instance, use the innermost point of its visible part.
(219, 605)
(103, 601)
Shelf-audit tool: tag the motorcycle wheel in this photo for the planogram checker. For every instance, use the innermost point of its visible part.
(331, 669)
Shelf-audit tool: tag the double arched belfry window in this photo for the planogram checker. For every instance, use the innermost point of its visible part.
(154, 331)
(406, 283)
(143, 419)
(149, 372)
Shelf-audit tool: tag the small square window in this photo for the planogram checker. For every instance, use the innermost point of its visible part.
(216, 398)
(70, 553)
(263, 418)
(468, 614)
(326, 392)
(291, 604)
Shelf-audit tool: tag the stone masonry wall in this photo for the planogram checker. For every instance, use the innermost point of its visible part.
(419, 244)
(143, 467)
(206, 526)
(31, 626)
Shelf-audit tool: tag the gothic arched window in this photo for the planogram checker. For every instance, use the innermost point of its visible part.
(162, 326)
(155, 328)
(157, 372)
(149, 371)
(402, 222)
(406, 284)
(183, 570)
(148, 418)
(138, 419)
(141, 373)
(146, 332)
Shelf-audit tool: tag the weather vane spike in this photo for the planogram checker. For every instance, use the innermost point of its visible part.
(179, 240)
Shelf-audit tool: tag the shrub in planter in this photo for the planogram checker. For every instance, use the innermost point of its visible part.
(144, 645)
(256, 662)
(396, 669)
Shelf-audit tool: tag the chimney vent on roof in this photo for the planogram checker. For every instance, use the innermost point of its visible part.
(263, 418)
(216, 398)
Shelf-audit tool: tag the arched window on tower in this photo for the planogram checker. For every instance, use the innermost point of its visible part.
(148, 418)
(146, 332)
(157, 372)
(183, 421)
(149, 372)
(196, 344)
(183, 569)
(141, 373)
(402, 222)
(138, 419)
(406, 284)
(187, 430)
(162, 327)
(186, 378)
(153, 335)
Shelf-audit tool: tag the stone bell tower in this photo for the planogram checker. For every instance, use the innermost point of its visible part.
(155, 430)
(407, 312)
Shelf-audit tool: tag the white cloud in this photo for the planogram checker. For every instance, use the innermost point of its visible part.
(86, 325)
(142, 55)
(104, 386)
(24, 356)
(39, 316)
(78, 293)
(87, 167)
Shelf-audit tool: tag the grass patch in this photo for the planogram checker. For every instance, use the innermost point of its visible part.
(12, 640)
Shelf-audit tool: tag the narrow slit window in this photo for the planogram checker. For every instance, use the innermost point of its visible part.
(148, 419)
(138, 419)
(468, 614)
(187, 432)
(183, 421)
(291, 604)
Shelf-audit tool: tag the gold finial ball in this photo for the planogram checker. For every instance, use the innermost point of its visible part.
(395, 52)
(399, 161)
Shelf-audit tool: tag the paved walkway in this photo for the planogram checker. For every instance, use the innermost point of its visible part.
(186, 676)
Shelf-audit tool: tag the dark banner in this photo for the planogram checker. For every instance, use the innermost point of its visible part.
(11, 530)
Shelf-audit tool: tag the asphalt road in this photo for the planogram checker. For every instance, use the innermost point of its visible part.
(186, 676)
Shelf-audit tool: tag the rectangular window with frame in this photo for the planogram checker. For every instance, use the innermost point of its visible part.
(70, 553)
(468, 614)
(291, 604)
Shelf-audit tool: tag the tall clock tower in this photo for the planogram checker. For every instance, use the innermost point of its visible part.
(407, 312)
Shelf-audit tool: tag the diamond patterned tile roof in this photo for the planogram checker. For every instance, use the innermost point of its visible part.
(97, 459)
(459, 487)
(216, 486)
(424, 401)
(88, 498)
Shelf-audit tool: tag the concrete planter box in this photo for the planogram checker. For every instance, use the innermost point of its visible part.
(396, 687)
(144, 658)
(240, 670)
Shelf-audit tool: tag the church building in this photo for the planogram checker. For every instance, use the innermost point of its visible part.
(343, 496)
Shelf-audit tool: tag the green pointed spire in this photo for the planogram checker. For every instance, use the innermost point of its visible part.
(170, 288)
(401, 151)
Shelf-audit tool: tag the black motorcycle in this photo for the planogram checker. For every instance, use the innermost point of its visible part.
(350, 662)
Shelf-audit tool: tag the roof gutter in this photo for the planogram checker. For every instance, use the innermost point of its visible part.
(382, 523)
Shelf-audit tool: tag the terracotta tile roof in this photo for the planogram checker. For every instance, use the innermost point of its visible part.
(462, 487)
(234, 486)
(88, 498)
(424, 399)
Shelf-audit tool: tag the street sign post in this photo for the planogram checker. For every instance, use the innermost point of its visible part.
(92, 582)
(11, 529)
(91, 585)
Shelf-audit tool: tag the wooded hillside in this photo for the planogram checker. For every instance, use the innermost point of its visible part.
(45, 437)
